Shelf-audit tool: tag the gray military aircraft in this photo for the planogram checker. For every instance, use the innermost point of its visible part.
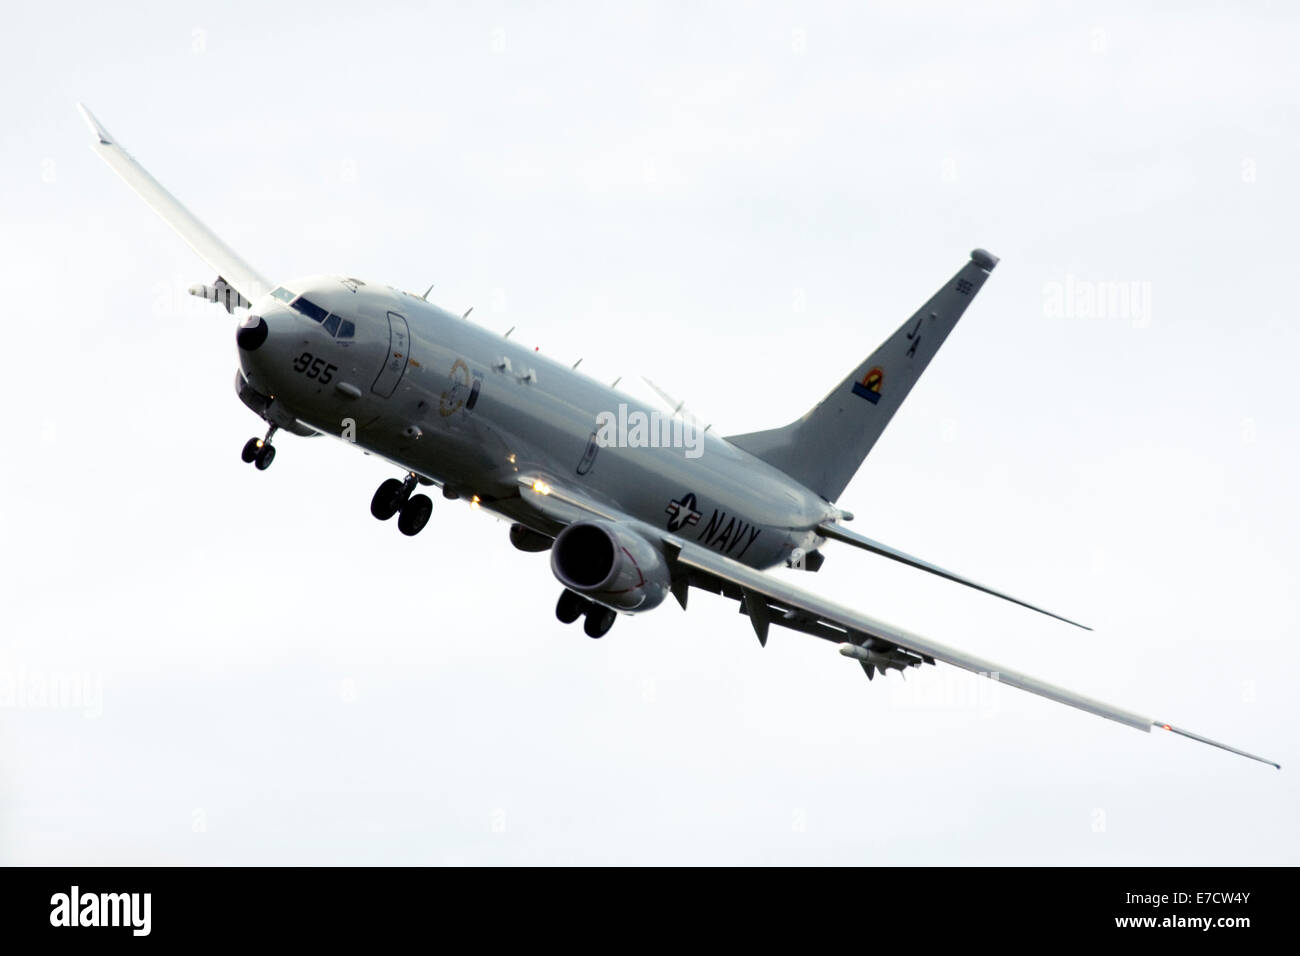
(628, 519)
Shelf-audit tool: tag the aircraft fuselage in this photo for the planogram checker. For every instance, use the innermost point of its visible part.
(473, 411)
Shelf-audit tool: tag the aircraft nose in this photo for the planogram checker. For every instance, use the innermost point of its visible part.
(252, 333)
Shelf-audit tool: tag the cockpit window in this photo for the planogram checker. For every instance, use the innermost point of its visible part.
(333, 324)
(283, 294)
(309, 309)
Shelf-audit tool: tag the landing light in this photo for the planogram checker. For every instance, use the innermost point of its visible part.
(541, 487)
(474, 502)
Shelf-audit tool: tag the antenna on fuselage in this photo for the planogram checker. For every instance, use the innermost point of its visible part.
(425, 297)
(678, 406)
(576, 364)
(467, 312)
(507, 335)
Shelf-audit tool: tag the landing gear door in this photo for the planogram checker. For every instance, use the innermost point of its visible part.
(399, 349)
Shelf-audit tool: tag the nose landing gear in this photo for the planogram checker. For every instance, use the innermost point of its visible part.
(394, 497)
(260, 451)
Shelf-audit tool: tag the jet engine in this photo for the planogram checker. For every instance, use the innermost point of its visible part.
(611, 565)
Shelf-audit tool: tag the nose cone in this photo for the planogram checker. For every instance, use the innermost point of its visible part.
(252, 333)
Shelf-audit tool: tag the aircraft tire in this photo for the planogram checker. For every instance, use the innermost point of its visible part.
(414, 515)
(569, 607)
(388, 499)
(599, 621)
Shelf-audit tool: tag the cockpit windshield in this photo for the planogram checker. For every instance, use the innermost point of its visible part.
(333, 324)
(309, 309)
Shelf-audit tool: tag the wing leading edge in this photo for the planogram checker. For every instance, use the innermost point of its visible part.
(229, 265)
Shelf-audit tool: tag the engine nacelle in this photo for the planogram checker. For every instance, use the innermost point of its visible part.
(611, 565)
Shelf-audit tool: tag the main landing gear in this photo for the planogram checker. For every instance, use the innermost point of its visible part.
(394, 498)
(260, 451)
(572, 606)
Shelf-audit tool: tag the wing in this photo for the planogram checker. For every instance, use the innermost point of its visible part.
(227, 263)
(770, 600)
(880, 645)
(839, 533)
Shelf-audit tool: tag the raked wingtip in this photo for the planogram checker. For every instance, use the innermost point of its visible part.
(1214, 743)
(95, 126)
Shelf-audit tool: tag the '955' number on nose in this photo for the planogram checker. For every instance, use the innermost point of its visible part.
(314, 367)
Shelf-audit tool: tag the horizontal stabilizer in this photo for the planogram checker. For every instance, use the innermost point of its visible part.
(838, 533)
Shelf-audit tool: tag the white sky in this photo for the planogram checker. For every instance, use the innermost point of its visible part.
(740, 203)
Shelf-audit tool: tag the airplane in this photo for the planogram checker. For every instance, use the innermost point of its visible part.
(628, 520)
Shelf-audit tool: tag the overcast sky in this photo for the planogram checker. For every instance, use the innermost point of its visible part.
(738, 201)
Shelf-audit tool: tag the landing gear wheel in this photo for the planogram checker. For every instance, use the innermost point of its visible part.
(388, 499)
(599, 621)
(259, 450)
(569, 607)
(414, 515)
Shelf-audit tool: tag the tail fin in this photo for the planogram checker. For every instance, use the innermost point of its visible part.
(825, 447)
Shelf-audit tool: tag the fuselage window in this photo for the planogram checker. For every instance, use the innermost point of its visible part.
(309, 309)
(347, 329)
(283, 294)
(331, 324)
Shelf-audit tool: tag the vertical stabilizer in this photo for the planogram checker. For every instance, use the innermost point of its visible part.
(825, 448)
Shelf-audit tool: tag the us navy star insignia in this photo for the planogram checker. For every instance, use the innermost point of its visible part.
(681, 512)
